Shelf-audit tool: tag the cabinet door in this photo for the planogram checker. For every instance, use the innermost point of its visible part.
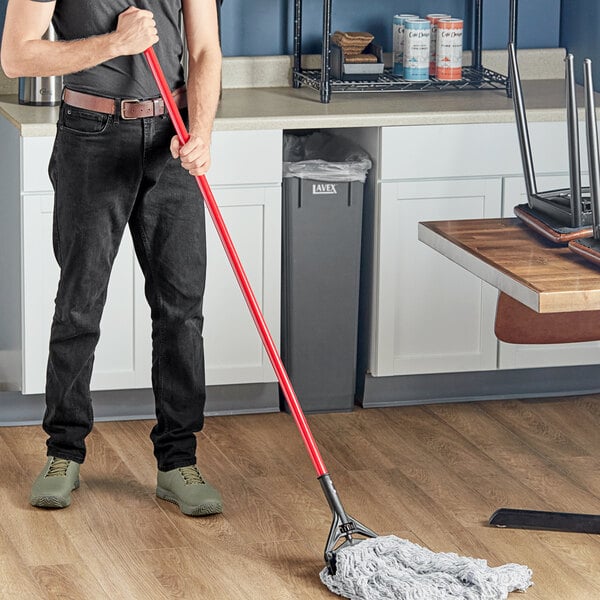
(431, 315)
(514, 356)
(234, 352)
(116, 365)
(233, 349)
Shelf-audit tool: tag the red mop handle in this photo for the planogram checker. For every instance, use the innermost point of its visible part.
(242, 279)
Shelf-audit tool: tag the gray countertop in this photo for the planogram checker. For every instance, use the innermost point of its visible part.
(288, 108)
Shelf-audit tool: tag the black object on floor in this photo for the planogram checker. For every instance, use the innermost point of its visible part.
(549, 521)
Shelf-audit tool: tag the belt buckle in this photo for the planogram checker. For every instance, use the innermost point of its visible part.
(128, 101)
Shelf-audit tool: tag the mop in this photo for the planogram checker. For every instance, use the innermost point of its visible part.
(359, 564)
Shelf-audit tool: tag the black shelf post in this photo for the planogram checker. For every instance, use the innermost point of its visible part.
(477, 35)
(297, 43)
(326, 53)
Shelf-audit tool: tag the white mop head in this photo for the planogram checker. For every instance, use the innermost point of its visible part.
(390, 568)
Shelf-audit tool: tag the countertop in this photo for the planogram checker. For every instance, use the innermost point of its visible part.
(257, 95)
(288, 108)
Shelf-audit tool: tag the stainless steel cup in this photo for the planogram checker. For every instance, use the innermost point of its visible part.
(41, 91)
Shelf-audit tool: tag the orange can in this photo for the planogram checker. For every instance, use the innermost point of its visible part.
(449, 49)
(433, 19)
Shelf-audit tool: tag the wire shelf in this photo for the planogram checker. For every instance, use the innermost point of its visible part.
(473, 78)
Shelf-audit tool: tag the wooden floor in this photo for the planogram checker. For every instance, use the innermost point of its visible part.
(431, 474)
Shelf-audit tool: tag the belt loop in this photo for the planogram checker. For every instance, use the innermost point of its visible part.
(117, 111)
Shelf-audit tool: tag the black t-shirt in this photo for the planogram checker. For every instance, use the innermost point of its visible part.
(124, 76)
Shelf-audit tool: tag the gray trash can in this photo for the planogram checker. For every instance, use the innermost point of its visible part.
(322, 229)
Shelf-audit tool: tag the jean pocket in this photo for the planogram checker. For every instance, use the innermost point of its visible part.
(86, 122)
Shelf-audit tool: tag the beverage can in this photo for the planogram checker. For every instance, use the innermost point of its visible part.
(398, 41)
(449, 49)
(417, 34)
(433, 19)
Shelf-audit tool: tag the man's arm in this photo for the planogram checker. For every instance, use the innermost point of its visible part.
(24, 53)
(203, 84)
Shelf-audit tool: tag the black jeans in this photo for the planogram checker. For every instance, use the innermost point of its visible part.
(108, 172)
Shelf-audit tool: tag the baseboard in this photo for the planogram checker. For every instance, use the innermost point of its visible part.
(124, 405)
(434, 388)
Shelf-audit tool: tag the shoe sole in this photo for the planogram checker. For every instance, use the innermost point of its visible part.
(208, 508)
(53, 501)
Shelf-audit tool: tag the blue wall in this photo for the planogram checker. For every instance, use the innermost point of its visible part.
(579, 34)
(264, 27)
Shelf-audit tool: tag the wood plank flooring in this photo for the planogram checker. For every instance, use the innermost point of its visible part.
(432, 474)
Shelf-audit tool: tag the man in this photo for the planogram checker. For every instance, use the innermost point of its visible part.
(114, 164)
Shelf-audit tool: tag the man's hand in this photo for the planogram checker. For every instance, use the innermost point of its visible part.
(135, 32)
(194, 155)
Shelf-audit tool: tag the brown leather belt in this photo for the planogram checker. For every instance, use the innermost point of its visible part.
(126, 108)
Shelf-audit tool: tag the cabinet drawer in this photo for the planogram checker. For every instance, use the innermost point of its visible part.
(246, 157)
(476, 150)
(238, 157)
(36, 153)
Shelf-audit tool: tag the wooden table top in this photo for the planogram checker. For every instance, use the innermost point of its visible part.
(511, 257)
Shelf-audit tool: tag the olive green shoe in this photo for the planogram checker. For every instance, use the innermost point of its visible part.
(53, 486)
(187, 488)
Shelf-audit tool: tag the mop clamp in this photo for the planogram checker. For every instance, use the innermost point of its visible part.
(343, 527)
(347, 527)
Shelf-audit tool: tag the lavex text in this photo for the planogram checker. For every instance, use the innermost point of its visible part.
(324, 188)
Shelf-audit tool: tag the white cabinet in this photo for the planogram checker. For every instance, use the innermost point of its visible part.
(515, 356)
(246, 181)
(428, 315)
(233, 349)
(118, 363)
(431, 315)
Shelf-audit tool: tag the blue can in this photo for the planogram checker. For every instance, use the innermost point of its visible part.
(398, 40)
(417, 37)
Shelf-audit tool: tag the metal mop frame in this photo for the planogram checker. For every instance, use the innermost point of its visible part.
(344, 527)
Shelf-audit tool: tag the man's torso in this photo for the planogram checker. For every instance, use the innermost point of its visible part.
(124, 76)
